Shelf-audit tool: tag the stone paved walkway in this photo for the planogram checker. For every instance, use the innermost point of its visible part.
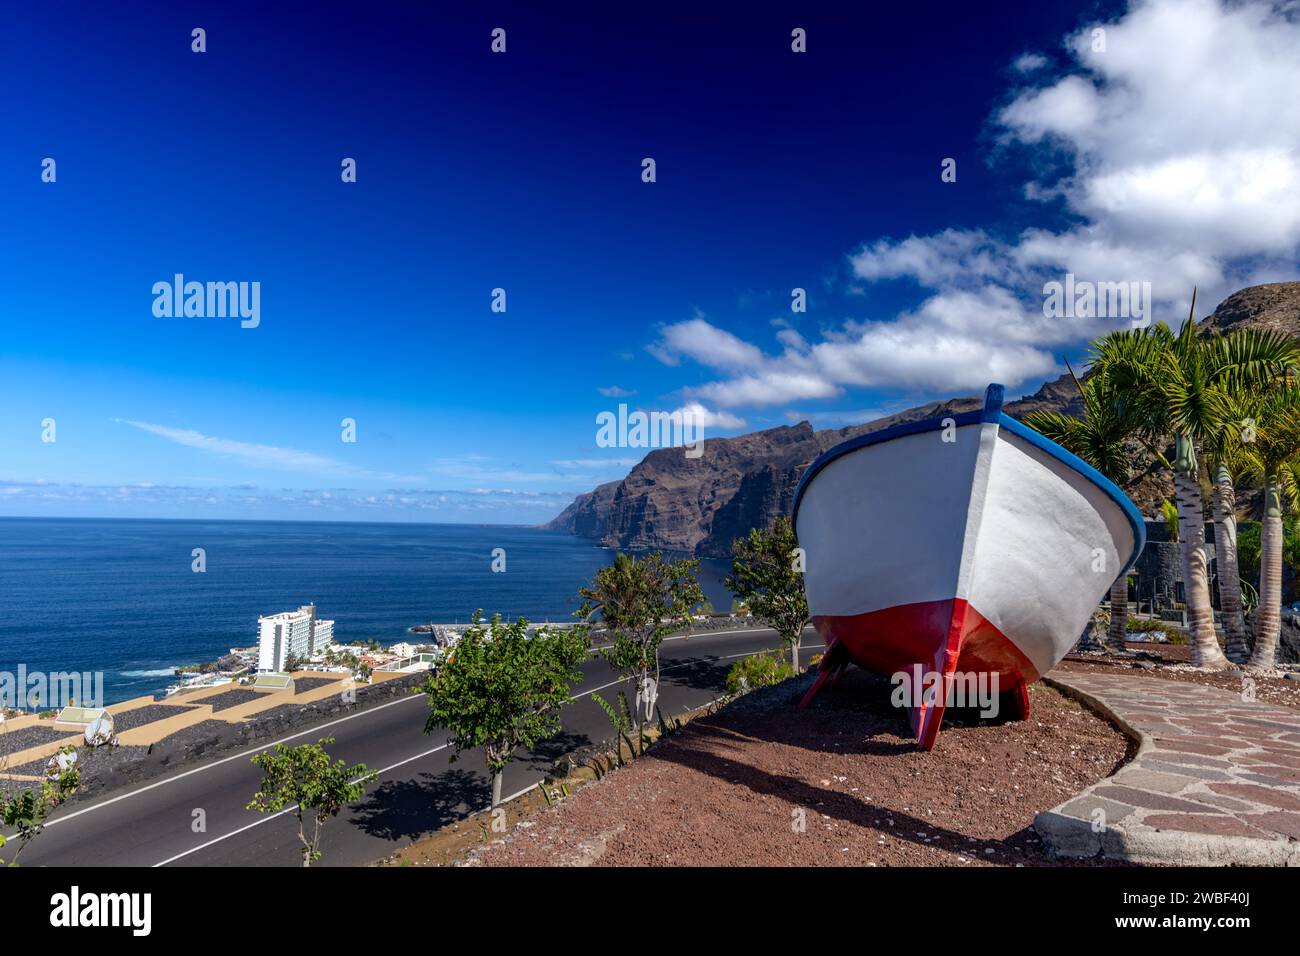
(1215, 781)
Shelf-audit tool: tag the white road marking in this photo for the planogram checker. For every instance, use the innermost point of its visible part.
(218, 763)
(280, 813)
(304, 733)
(243, 754)
(390, 767)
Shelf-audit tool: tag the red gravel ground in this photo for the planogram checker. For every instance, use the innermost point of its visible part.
(1169, 661)
(730, 789)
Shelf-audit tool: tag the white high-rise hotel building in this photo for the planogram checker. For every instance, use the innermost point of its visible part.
(298, 633)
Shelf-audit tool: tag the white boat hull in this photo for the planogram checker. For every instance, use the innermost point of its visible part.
(961, 544)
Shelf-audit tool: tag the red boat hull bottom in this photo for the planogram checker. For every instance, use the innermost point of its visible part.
(942, 637)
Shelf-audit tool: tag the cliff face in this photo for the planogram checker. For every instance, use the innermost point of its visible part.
(673, 502)
(700, 505)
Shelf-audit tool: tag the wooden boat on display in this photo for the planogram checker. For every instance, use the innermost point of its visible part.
(962, 545)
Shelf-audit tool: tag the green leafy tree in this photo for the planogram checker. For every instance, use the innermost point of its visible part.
(26, 811)
(303, 779)
(640, 602)
(1102, 438)
(502, 688)
(767, 574)
(1183, 387)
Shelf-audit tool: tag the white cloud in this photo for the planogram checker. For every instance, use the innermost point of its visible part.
(1067, 109)
(955, 340)
(707, 344)
(709, 418)
(1029, 62)
(255, 455)
(613, 391)
(954, 255)
(1183, 131)
(39, 497)
(776, 383)
(1176, 153)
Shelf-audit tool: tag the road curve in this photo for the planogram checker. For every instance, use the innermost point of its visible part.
(196, 816)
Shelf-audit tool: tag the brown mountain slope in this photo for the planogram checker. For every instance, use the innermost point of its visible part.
(700, 505)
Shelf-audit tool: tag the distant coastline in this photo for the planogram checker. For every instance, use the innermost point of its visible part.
(118, 596)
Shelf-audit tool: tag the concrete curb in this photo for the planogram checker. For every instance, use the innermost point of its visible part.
(1066, 833)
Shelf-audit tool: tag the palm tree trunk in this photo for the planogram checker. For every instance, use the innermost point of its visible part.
(1229, 571)
(1196, 578)
(1225, 550)
(1118, 614)
(1268, 618)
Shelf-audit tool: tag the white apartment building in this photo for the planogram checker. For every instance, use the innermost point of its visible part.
(298, 633)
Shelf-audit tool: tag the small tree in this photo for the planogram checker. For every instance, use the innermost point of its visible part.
(25, 812)
(304, 779)
(640, 603)
(767, 575)
(503, 687)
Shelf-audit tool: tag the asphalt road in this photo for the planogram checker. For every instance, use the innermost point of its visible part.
(418, 790)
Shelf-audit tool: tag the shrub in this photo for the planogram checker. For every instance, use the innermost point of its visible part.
(1141, 625)
(760, 670)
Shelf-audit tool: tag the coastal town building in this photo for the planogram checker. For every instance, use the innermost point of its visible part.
(291, 634)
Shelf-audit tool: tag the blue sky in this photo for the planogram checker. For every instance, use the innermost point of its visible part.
(1166, 157)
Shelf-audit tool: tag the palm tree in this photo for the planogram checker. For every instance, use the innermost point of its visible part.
(1183, 386)
(1226, 459)
(1272, 455)
(1099, 438)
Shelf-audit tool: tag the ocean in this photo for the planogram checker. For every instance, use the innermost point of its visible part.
(119, 596)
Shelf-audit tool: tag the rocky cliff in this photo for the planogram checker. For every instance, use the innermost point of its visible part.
(700, 505)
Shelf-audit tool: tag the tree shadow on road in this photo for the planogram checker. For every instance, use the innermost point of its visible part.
(545, 754)
(410, 809)
(698, 674)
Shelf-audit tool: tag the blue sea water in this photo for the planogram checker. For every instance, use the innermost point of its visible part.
(119, 595)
